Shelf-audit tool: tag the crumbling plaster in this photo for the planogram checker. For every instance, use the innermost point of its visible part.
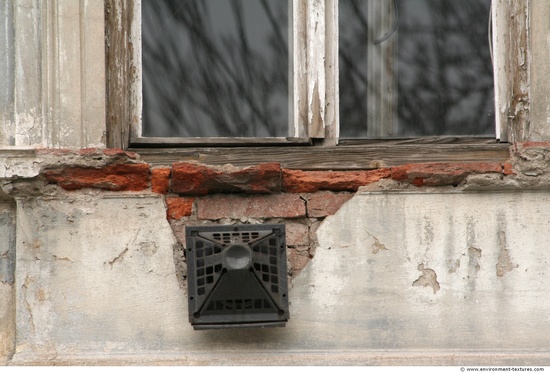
(7, 271)
(95, 273)
(459, 270)
(397, 267)
(97, 279)
(401, 274)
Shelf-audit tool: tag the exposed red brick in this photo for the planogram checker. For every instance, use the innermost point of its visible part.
(257, 206)
(297, 260)
(160, 180)
(123, 177)
(177, 208)
(88, 151)
(311, 181)
(107, 152)
(325, 203)
(197, 179)
(115, 152)
(297, 234)
(441, 174)
(519, 145)
(508, 169)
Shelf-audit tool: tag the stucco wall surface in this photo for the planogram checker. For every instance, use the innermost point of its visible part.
(431, 271)
(410, 272)
(96, 274)
(7, 270)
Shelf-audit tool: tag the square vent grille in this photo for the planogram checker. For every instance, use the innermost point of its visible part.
(237, 276)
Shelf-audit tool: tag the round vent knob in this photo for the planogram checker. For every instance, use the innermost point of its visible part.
(237, 257)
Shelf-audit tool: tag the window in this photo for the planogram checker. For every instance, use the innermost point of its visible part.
(413, 68)
(357, 72)
(215, 68)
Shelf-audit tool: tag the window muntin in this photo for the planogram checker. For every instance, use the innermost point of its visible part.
(433, 76)
(215, 68)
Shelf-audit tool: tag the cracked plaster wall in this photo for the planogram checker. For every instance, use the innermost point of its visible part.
(100, 273)
(7, 268)
(94, 274)
(412, 270)
(434, 270)
(458, 271)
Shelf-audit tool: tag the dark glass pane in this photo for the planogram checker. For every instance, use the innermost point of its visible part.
(442, 64)
(215, 68)
(353, 66)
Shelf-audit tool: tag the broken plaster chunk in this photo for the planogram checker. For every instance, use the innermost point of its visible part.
(454, 266)
(376, 246)
(428, 278)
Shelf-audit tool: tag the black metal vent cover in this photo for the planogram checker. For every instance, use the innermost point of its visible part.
(237, 276)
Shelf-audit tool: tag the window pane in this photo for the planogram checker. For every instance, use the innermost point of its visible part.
(215, 68)
(434, 73)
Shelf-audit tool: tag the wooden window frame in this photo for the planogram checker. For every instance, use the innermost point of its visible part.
(315, 112)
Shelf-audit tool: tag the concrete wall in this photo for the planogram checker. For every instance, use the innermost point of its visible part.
(394, 271)
(7, 279)
(439, 273)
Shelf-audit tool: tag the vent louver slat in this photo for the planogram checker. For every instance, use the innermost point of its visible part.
(237, 276)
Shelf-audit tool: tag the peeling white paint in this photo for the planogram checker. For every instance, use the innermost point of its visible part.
(28, 126)
(316, 74)
(59, 93)
(11, 167)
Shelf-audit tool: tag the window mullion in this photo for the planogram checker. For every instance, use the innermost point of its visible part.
(316, 51)
(332, 106)
(298, 70)
(382, 71)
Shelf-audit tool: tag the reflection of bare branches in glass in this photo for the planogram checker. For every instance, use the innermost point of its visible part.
(444, 81)
(353, 62)
(215, 68)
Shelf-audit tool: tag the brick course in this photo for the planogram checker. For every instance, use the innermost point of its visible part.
(325, 203)
(297, 234)
(160, 180)
(217, 207)
(121, 177)
(198, 179)
(298, 181)
(177, 208)
(441, 174)
(300, 198)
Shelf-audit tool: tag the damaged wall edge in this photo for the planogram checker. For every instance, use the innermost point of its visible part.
(305, 200)
(7, 279)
